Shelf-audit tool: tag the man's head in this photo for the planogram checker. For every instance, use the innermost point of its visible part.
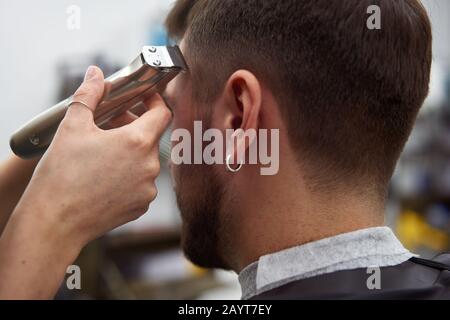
(347, 96)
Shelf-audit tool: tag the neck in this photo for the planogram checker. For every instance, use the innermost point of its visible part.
(280, 213)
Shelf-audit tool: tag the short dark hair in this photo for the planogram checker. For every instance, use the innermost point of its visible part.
(179, 18)
(349, 95)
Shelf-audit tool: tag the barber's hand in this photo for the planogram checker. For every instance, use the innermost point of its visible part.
(90, 180)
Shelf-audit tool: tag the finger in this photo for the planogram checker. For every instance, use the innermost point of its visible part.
(121, 120)
(154, 101)
(88, 95)
(155, 121)
(139, 109)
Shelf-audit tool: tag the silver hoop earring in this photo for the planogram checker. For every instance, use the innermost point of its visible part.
(227, 162)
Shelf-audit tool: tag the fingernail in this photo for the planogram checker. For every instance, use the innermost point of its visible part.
(90, 73)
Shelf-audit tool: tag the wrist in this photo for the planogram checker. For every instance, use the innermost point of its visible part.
(34, 258)
(40, 223)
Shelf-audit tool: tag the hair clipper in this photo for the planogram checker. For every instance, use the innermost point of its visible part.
(149, 73)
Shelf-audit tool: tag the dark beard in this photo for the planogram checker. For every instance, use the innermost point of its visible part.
(200, 198)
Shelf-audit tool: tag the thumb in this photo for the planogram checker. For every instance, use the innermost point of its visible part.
(87, 96)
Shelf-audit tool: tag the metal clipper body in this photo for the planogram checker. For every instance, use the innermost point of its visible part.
(150, 72)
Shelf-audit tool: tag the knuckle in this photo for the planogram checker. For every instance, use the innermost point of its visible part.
(151, 194)
(138, 212)
(83, 92)
(146, 199)
(166, 115)
(89, 89)
(154, 168)
(144, 208)
(136, 140)
(69, 123)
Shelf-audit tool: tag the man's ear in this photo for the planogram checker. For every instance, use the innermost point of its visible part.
(243, 96)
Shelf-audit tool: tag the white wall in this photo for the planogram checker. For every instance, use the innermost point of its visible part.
(439, 12)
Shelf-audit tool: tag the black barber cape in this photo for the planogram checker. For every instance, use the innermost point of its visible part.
(413, 279)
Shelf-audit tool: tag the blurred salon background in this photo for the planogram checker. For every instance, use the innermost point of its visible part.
(45, 48)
